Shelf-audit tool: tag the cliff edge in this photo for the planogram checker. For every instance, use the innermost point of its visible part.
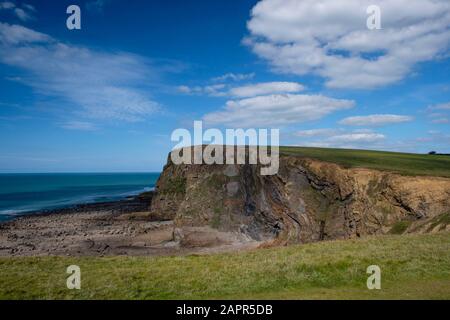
(308, 200)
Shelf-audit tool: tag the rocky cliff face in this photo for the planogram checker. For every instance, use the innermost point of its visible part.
(306, 201)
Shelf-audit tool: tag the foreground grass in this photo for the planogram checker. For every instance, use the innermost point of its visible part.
(413, 266)
(404, 163)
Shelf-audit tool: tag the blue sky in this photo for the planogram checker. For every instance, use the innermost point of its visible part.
(107, 97)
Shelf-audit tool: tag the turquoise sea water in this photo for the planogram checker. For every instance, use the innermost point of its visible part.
(22, 193)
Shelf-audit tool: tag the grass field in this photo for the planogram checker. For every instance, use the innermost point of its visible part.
(403, 163)
(412, 266)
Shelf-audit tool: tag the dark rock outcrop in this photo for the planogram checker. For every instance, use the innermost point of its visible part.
(308, 200)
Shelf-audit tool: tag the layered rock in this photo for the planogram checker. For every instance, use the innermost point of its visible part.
(308, 200)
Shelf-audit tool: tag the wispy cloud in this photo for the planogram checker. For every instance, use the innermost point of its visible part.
(215, 90)
(244, 91)
(79, 125)
(234, 77)
(439, 113)
(96, 5)
(264, 88)
(96, 84)
(375, 120)
(340, 138)
(440, 106)
(23, 12)
(312, 133)
(357, 138)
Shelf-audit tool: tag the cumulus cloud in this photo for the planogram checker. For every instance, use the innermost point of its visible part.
(23, 12)
(276, 110)
(375, 120)
(97, 84)
(330, 39)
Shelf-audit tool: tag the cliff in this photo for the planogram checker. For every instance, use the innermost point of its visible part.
(308, 200)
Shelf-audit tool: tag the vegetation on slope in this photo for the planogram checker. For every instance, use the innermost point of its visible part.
(412, 266)
(403, 163)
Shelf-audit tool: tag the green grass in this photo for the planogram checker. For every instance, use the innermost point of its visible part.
(400, 227)
(412, 266)
(403, 163)
(175, 185)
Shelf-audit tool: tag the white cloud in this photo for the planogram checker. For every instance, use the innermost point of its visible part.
(24, 12)
(439, 113)
(329, 38)
(375, 120)
(7, 5)
(11, 35)
(251, 90)
(330, 137)
(342, 139)
(184, 89)
(215, 90)
(97, 84)
(357, 137)
(316, 133)
(441, 106)
(234, 77)
(28, 7)
(266, 88)
(276, 110)
(440, 121)
(79, 125)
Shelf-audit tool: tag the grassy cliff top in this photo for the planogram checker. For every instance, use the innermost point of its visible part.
(403, 163)
(412, 267)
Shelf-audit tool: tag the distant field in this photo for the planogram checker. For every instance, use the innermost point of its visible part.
(412, 267)
(403, 163)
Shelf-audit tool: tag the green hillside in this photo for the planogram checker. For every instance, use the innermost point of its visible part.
(403, 163)
(412, 267)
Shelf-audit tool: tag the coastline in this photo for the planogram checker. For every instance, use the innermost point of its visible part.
(117, 228)
(140, 202)
(91, 229)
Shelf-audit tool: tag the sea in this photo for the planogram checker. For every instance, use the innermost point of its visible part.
(24, 193)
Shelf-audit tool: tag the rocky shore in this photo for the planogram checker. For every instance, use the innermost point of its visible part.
(106, 229)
